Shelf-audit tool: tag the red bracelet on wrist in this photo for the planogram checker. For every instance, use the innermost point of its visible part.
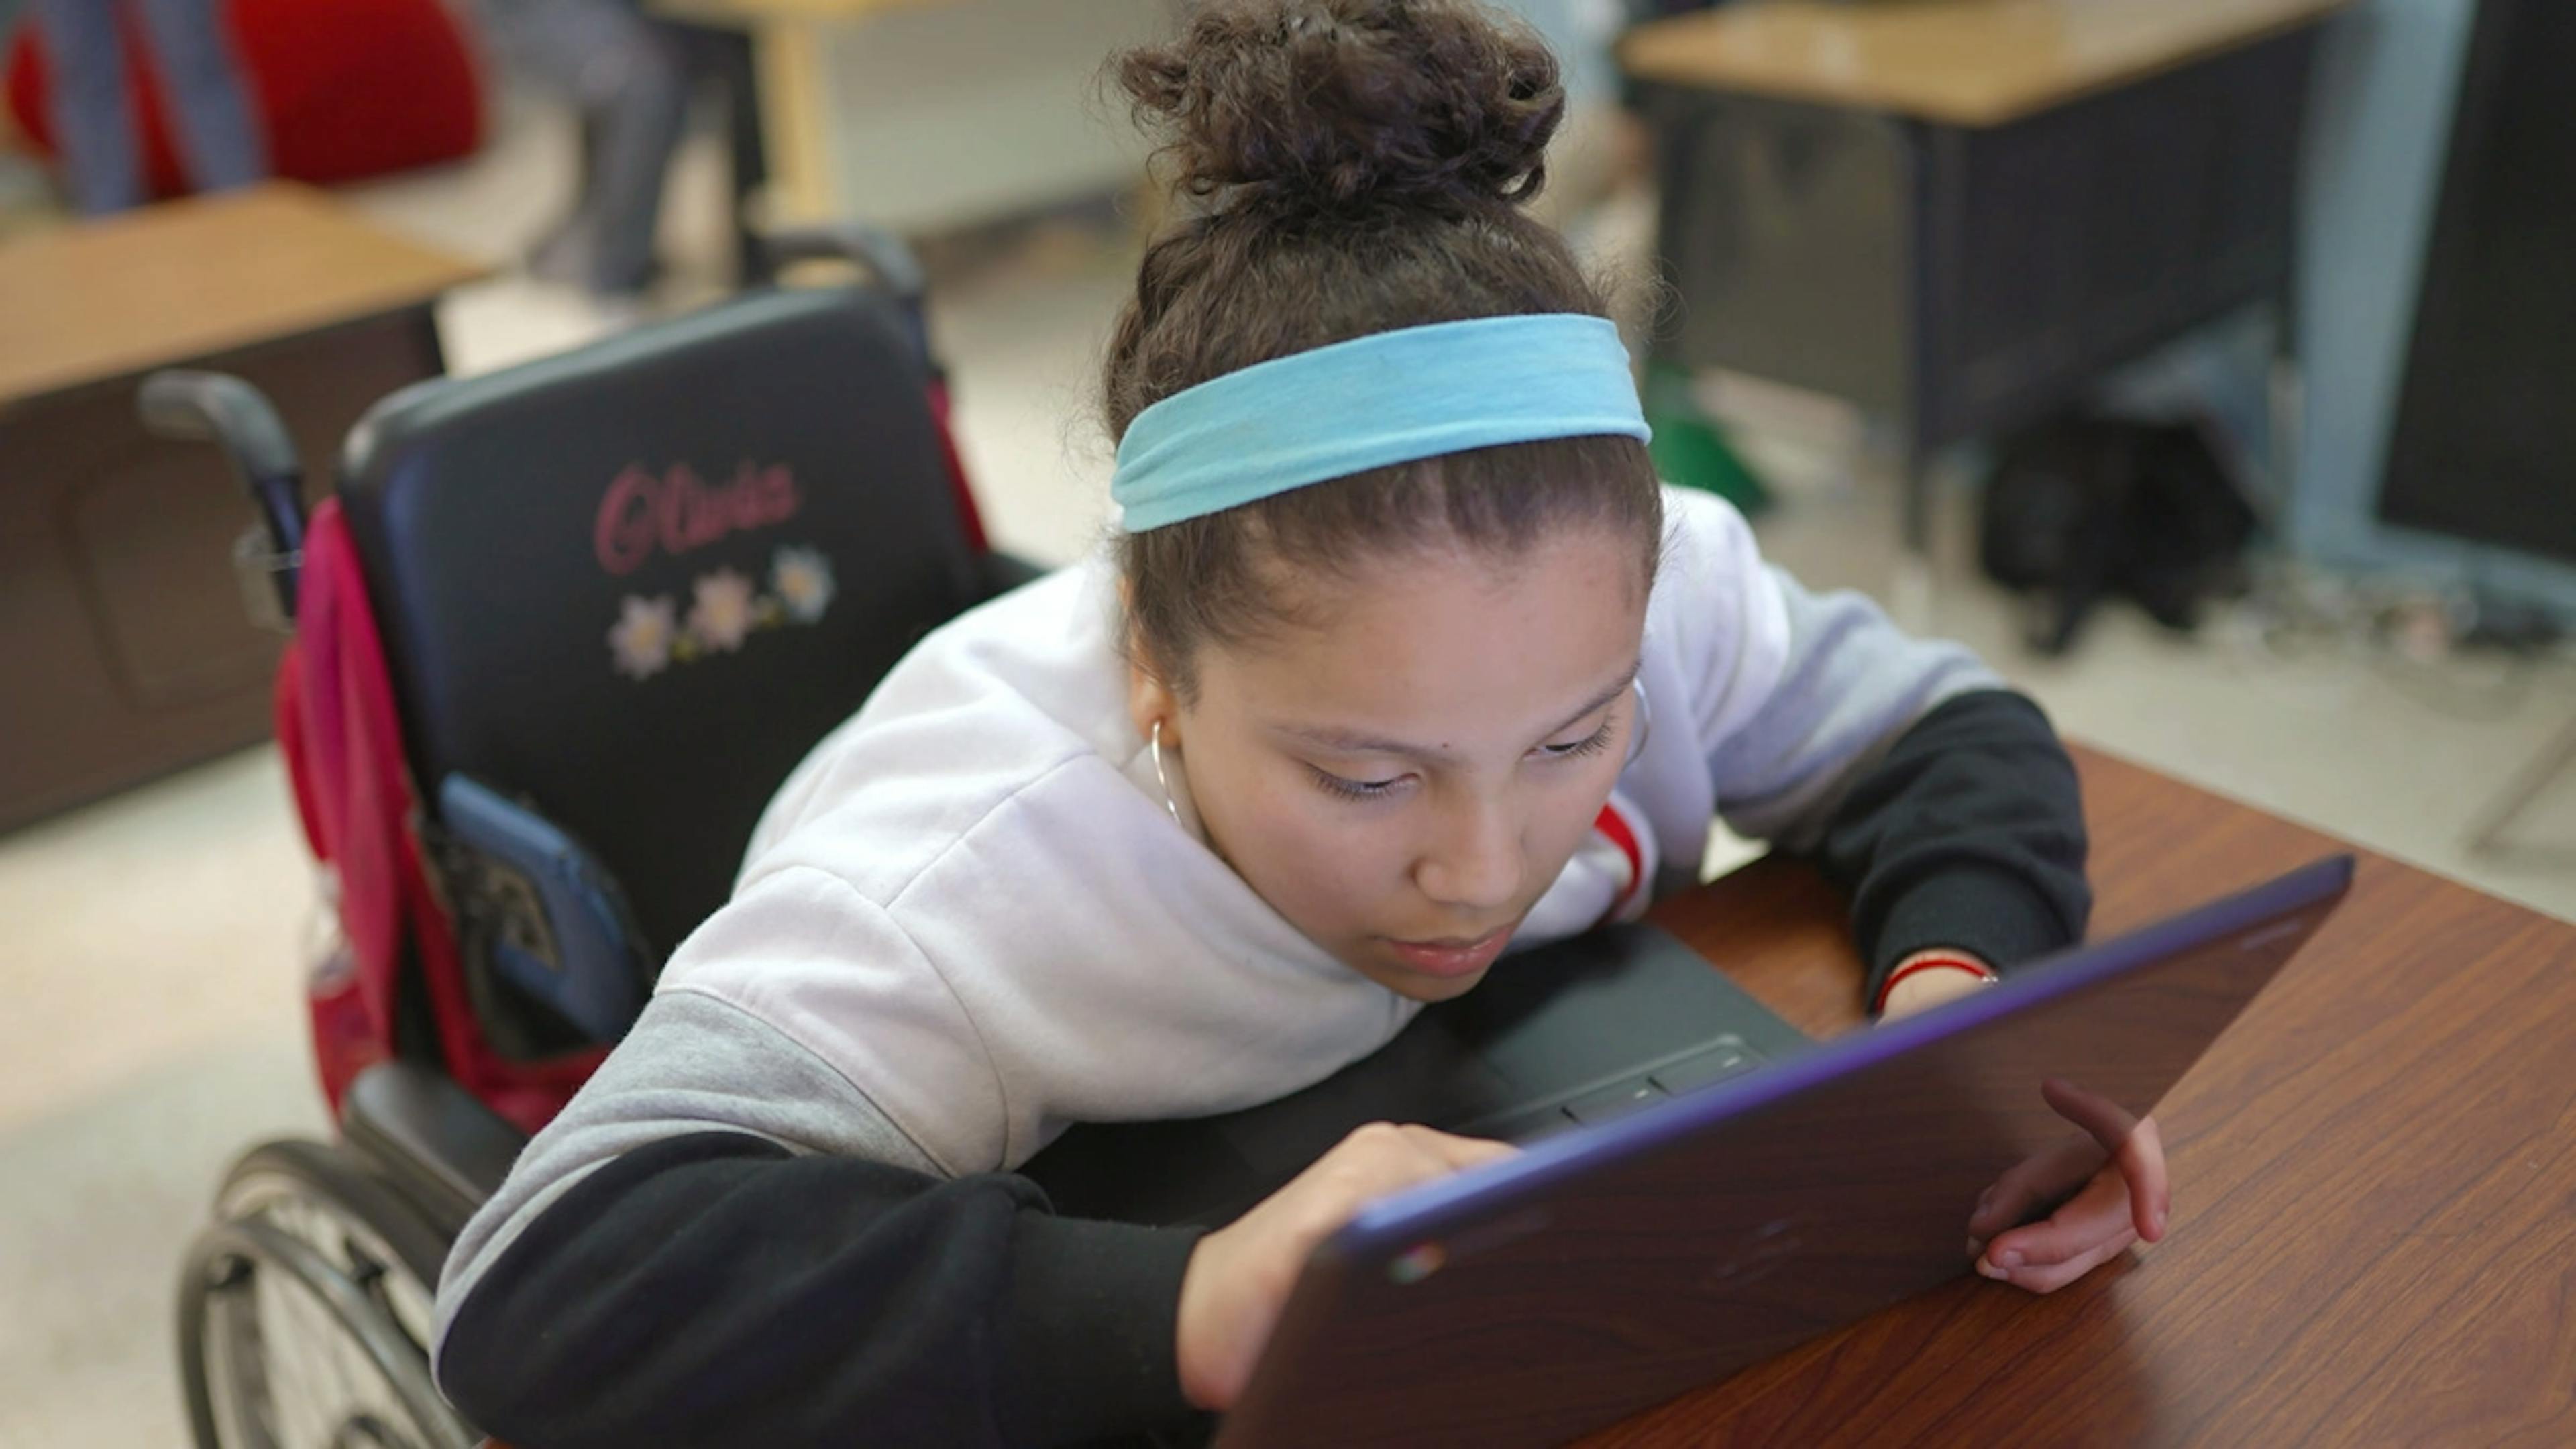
(1978, 969)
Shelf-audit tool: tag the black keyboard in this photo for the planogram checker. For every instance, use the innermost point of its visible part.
(1724, 1058)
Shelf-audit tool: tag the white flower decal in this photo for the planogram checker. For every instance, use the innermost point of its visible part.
(803, 579)
(725, 611)
(641, 640)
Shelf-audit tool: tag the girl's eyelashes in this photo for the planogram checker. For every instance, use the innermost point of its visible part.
(1333, 784)
(1348, 789)
(1598, 741)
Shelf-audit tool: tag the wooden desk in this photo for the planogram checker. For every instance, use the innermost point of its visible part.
(90, 303)
(127, 649)
(1958, 213)
(2375, 1183)
(1957, 62)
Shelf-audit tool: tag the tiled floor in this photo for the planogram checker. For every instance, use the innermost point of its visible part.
(148, 945)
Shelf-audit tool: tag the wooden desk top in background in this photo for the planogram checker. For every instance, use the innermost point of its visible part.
(170, 283)
(1956, 62)
(2374, 1234)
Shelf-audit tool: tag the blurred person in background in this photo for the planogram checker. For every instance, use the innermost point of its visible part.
(629, 78)
(218, 140)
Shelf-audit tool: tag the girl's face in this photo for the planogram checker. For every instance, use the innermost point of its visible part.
(1405, 770)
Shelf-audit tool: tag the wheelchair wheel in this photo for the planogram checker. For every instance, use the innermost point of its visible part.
(305, 1312)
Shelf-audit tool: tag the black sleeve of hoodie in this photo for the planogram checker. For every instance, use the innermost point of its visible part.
(1968, 833)
(713, 1289)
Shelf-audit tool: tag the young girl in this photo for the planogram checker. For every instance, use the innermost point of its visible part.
(1401, 659)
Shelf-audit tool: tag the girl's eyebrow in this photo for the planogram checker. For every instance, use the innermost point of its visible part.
(1349, 743)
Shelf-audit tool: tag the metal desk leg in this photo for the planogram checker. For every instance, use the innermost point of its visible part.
(2287, 401)
(726, 55)
(1911, 592)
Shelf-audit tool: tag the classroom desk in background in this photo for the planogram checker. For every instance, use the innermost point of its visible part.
(2374, 1230)
(129, 652)
(1958, 214)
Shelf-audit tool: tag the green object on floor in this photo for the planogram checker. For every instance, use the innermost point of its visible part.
(1689, 447)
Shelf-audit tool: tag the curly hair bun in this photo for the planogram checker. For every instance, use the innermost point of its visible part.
(1343, 107)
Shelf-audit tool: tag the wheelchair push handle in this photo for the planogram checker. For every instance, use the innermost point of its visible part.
(212, 407)
(886, 259)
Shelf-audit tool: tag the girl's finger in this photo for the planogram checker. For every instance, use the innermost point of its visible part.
(2026, 1184)
(1459, 1152)
(2142, 1165)
(2049, 1277)
(2103, 1119)
(2004, 1204)
(2098, 1214)
(2133, 1142)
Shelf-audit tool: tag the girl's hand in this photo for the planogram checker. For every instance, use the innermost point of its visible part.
(2126, 1200)
(1239, 1276)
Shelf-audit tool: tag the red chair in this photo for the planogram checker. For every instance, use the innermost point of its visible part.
(346, 89)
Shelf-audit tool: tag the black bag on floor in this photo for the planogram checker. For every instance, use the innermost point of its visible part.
(2081, 508)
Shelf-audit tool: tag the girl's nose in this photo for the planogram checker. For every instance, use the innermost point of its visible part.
(1475, 864)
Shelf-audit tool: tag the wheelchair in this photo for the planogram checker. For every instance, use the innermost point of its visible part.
(558, 634)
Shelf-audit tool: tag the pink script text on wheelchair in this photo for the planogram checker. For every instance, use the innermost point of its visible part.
(677, 512)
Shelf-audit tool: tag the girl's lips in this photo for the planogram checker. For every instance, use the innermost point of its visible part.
(1453, 958)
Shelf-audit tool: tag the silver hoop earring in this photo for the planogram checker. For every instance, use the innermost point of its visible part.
(1645, 725)
(1161, 779)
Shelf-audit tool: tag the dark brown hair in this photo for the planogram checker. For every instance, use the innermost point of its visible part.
(1348, 167)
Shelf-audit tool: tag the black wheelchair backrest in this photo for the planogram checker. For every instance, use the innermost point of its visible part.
(634, 584)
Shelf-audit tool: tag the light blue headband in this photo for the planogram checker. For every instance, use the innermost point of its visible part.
(1373, 402)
